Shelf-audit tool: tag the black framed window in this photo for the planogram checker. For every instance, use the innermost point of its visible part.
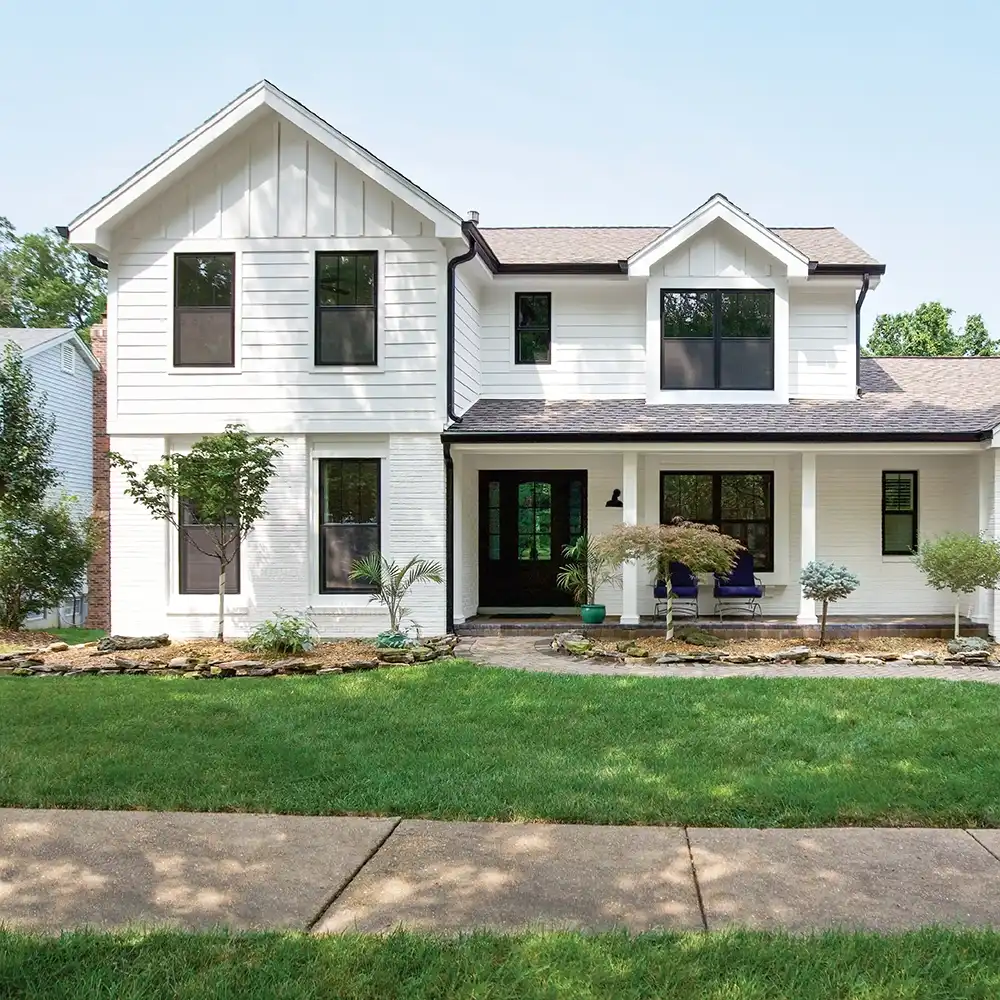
(740, 504)
(899, 513)
(349, 525)
(716, 339)
(347, 308)
(204, 314)
(533, 328)
(199, 569)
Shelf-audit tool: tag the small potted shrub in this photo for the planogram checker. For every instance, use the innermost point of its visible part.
(584, 574)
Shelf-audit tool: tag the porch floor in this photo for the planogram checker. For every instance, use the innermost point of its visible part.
(861, 626)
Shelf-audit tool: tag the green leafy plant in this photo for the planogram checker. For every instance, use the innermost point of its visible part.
(961, 563)
(701, 547)
(392, 582)
(282, 633)
(391, 640)
(586, 572)
(224, 479)
(822, 581)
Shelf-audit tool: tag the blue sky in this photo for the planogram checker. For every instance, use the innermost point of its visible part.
(879, 119)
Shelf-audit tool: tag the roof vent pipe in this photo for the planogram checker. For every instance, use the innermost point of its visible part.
(474, 217)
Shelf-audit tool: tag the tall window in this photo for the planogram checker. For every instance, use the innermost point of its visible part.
(199, 568)
(899, 513)
(717, 339)
(204, 317)
(534, 522)
(346, 308)
(740, 504)
(348, 520)
(533, 328)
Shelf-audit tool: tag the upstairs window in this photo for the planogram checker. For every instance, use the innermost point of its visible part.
(717, 339)
(348, 520)
(346, 308)
(899, 513)
(204, 318)
(533, 328)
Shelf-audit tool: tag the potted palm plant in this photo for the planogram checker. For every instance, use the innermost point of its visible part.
(585, 573)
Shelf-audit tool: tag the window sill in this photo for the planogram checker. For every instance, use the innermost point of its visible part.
(898, 559)
(205, 609)
(347, 369)
(210, 370)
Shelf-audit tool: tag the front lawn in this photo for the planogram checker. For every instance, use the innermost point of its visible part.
(927, 965)
(455, 741)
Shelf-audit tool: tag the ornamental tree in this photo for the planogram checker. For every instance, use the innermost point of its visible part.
(822, 581)
(701, 547)
(223, 480)
(961, 563)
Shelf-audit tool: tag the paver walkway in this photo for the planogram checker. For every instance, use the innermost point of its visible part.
(535, 653)
(63, 868)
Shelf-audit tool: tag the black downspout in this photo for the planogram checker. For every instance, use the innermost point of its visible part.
(449, 538)
(467, 228)
(857, 329)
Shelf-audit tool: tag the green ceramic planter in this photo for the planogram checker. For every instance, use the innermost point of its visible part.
(592, 614)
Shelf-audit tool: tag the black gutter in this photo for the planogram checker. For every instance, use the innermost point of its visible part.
(857, 330)
(610, 437)
(449, 538)
(847, 270)
(468, 228)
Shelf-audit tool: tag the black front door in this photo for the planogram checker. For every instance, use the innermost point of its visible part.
(525, 519)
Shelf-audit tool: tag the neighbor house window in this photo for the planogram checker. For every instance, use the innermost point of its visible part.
(346, 308)
(717, 339)
(899, 513)
(204, 317)
(199, 568)
(348, 520)
(740, 504)
(533, 328)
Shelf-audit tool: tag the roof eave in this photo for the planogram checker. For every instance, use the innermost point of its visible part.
(606, 437)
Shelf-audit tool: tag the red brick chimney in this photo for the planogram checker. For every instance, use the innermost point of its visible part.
(99, 574)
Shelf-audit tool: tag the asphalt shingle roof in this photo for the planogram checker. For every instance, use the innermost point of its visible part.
(901, 396)
(608, 245)
(30, 338)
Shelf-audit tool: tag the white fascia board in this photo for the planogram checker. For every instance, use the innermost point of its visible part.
(64, 337)
(718, 208)
(92, 228)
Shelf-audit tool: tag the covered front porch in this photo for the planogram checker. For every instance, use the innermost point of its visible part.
(852, 503)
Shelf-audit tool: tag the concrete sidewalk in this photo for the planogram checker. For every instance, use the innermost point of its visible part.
(62, 868)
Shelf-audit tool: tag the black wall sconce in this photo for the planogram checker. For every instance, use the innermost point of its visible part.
(616, 499)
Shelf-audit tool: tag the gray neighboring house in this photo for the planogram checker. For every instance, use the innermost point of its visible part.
(63, 369)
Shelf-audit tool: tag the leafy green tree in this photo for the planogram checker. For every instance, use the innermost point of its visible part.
(45, 282)
(26, 477)
(961, 563)
(927, 332)
(44, 552)
(392, 582)
(826, 582)
(224, 479)
(586, 572)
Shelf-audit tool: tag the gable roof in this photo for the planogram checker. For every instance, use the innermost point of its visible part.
(91, 228)
(34, 340)
(916, 399)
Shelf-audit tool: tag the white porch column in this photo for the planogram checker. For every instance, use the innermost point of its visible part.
(458, 543)
(807, 607)
(983, 610)
(630, 515)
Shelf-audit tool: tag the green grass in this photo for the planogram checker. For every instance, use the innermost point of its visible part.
(75, 635)
(926, 965)
(456, 741)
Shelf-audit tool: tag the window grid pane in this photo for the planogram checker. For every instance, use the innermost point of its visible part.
(349, 519)
(346, 308)
(534, 522)
(493, 495)
(204, 316)
(899, 513)
(533, 328)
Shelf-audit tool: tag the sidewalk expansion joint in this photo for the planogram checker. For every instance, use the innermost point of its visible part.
(326, 906)
(697, 885)
(982, 845)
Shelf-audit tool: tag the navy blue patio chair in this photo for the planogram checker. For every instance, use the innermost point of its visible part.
(684, 585)
(741, 591)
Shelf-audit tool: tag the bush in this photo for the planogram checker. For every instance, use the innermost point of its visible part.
(282, 633)
(960, 563)
(825, 582)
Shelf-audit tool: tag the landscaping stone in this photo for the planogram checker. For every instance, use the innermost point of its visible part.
(735, 658)
(182, 662)
(120, 643)
(421, 654)
(578, 648)
(57, 647)
(637, 652)
(261, 672)
(797, 654)
(16, 654)
(330, 670)
(109, 670)
(7, 668)
(193, 674)
(292, 666)
(670, 658)
(22, 671)
(125, 662)
(360, 665)
(239, 664)
(223, 670)
(698, 637)
(969, 644)
(394, 656)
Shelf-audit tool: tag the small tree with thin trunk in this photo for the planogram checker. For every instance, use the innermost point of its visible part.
(701, 547)
(825, 582)
(223, 479)
(960, 563)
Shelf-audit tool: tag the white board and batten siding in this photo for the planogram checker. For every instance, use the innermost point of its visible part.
(275, 198)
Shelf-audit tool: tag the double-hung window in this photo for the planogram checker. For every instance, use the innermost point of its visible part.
(740, 504)
(204, 314)
(899, 513)
(717, 339)
(199, 566)
(533, 328)
(349, 521)
(347, 308)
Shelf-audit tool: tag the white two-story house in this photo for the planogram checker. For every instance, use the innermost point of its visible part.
(477, 395)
